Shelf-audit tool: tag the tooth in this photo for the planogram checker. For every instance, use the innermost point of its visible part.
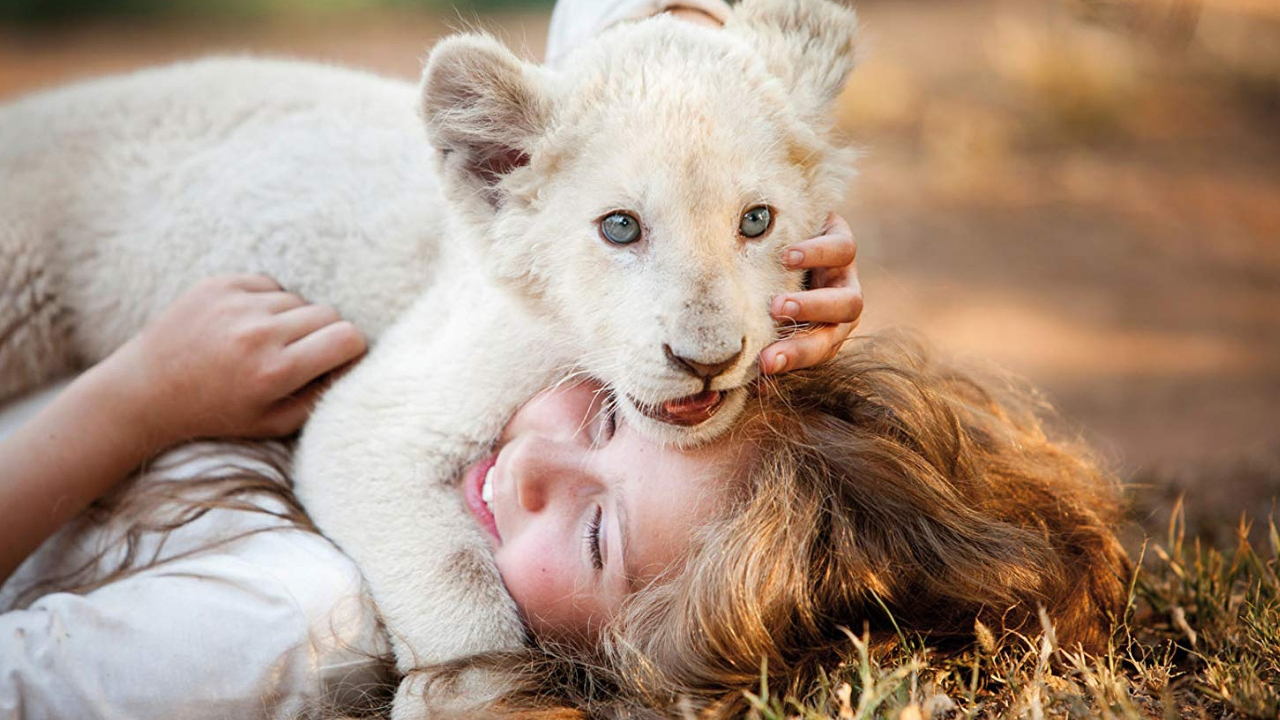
(486, 490)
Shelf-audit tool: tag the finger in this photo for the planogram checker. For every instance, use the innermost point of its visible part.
(285, 417)
(253, 282)
(804, 349)
(695, 16)
(298, 322)
(834, 249)
(824, 251)
(288, 414)
(278, 301)
(824, 305)
(322, 351)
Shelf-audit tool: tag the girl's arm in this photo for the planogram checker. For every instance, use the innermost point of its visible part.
(233, 357)
(575, 22)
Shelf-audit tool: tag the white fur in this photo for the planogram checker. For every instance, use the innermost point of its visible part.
(118, 194)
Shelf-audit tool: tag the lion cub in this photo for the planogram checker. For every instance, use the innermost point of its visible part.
(630, 213)
(622, 218)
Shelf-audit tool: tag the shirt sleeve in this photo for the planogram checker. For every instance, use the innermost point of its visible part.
(575, 22)
(254, 630)
(245, 616)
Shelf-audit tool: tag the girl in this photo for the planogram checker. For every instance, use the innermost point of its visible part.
(885, 490)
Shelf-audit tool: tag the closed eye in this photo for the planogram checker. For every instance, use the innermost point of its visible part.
(592, 539)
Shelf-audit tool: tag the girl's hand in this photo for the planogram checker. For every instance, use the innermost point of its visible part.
(831, 307)
(234, 356)
(693, 15)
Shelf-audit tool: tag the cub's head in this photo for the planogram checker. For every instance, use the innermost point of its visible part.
(644, 192)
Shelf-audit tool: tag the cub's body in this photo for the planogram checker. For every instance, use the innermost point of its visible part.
(129, 190)
(482, 234)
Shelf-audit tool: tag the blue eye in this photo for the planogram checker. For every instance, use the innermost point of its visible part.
(755, 222)
(620, 228)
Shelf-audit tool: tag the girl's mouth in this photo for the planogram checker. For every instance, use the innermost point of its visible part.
(477, 491)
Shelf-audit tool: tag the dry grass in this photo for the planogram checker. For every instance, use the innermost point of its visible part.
(1201, 638)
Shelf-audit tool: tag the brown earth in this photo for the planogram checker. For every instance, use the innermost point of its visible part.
(1096, 207)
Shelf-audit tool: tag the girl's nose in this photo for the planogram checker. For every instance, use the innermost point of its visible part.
(546, 472)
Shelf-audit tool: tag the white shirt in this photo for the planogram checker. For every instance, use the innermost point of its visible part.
(265, 625)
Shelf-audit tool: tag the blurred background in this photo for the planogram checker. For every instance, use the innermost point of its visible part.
(1084, 191)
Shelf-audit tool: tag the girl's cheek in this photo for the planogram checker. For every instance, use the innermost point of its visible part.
(534, 582)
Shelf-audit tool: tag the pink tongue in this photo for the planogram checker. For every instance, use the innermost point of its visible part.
(694, 408)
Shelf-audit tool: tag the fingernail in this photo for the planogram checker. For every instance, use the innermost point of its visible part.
(790, 308)
(793, 257)
(779, 363)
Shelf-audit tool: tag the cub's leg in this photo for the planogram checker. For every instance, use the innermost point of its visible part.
(35, 327)
(378, 464)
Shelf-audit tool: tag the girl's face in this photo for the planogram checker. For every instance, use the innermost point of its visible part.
(581, 510)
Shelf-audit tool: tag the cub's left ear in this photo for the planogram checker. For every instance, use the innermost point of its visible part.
(485, 109)
(809, 44)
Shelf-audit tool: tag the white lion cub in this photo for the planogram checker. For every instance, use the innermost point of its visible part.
(622, 217)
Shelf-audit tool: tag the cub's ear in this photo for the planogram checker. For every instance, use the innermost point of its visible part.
(484, 109)
(809, 44)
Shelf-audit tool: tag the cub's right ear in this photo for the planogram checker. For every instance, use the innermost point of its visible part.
(484, 109)
(811, 45)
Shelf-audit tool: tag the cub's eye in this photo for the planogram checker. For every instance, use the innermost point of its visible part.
(755, 222)
(620, 228)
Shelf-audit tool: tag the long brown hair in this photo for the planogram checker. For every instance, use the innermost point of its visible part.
(892, 492)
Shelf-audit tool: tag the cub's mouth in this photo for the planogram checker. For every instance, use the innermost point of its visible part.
(683, 412)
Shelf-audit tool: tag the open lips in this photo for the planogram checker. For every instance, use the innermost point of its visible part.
(686, 411)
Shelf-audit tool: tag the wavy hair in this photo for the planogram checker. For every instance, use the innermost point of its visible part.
(893, 492)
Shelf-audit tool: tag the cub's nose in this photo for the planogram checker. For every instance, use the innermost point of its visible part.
(703, 369)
